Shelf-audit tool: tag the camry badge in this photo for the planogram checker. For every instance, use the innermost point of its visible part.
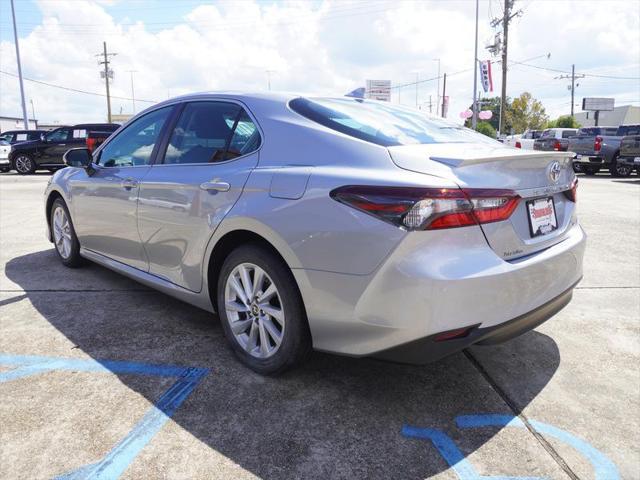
(553, 171)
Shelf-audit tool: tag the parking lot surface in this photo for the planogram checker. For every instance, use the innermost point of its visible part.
(101, 377)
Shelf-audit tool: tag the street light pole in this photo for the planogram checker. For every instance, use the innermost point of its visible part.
(25, 118)
(474, 117)
(133, 96)
(438, 90)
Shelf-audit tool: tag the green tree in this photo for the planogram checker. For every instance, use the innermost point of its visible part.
(526, 113)
(486, 128)
(564, 121)
(493, 104)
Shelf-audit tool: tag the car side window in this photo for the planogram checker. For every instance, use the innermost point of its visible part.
(134, 145)
(245, 139)
(59, 135)
(203, 133)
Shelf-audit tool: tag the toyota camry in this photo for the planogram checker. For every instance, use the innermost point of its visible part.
(343, 225)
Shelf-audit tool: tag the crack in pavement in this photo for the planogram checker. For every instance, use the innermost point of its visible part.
(512, 406)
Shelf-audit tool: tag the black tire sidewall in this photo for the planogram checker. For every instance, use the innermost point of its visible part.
(74, 260)
(296, 343)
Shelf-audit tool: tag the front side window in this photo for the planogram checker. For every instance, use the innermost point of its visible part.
(210, 132)
(58, 135)
(382, 123)
(134, 145)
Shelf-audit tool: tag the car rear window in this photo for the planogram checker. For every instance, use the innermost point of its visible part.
(628, 130)
(381, 123)
(568, 133)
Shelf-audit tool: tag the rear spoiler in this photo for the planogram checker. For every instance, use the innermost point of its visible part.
(463, 162)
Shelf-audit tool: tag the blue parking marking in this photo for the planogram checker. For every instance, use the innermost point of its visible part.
(603, 468)
(114, 463)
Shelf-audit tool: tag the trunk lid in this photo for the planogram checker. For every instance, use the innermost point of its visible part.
(528, 173)
(582, 145)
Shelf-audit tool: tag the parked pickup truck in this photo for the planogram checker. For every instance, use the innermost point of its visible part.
(524, 141)
(47, 152)
(554, 139)
(594, 152)
(630, 152)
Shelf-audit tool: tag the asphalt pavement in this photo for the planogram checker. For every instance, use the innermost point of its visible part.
(101, 377)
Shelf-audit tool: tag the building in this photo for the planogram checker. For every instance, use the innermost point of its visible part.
(622, 115)
(16, 123)
(121, 118)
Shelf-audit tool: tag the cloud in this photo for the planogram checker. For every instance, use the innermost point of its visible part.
(329, 47)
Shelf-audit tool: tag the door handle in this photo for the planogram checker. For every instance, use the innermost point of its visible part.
(215, 186)
(129, 183)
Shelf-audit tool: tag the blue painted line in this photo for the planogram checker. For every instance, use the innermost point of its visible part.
(452, 454)
(604, 469)
(92, 365)
(121, 456)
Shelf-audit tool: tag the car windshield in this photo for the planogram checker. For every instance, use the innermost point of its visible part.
(383, 124)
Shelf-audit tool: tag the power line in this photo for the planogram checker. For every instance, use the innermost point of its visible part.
(75, 90)
(555, 70)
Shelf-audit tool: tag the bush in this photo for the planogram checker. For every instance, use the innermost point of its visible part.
(564, 121)
(485, 128)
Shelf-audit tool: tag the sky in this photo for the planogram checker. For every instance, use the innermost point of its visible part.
(172, 47)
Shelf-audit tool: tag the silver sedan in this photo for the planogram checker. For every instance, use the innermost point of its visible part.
(344, 225)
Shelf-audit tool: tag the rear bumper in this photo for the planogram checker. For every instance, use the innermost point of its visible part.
(436, 282)
(428, 349)
(580, 160)
(630, 161)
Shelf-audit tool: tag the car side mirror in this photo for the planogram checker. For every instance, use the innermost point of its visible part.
(77, 157)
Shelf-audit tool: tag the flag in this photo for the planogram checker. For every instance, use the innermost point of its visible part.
(485, 76)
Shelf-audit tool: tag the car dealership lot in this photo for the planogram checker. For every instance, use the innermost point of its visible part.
(66, 405)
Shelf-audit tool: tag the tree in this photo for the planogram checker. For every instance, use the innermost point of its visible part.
(486, 128)
(493, 104)
(564, 121)
(526, 113)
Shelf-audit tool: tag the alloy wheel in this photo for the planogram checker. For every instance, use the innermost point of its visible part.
(62, 232)
(254, 310)
(23, 164)
(623, 170)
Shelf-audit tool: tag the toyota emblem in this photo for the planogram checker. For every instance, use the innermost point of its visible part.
(554, 171)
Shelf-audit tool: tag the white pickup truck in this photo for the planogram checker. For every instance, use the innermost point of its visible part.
(524, 141)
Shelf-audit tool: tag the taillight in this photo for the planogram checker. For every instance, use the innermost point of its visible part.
(518, 145)
(597, 144)
(429, 208)
(91, 144)
(557, 146)
(572, 193)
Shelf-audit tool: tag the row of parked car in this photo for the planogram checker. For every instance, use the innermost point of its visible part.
(614, 148)
(26, 151)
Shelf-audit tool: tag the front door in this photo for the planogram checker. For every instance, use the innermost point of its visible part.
(105, 202)
(187, 193)
(55, 146)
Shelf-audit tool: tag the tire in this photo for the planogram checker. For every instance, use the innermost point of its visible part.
(24, 164)
(5, 169)
(64, 235)
(251, 326)
(619, 170)
(589, 170)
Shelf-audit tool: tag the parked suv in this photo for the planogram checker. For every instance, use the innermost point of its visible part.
(47, 151)
(15, 136)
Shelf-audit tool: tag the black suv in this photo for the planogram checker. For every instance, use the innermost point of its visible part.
(47, 151)
(15, 136)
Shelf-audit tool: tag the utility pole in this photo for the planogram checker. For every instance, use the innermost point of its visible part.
(507, 16)
(133, 96)
(573, 85)
(474, 108)
(33, 113)
(25, 118)
(269, 72)
(106, 73)
(438, 90)
(444, 94)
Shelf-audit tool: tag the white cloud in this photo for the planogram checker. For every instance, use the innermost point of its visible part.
(330, 47)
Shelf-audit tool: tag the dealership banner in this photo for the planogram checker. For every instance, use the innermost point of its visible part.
(485, 76)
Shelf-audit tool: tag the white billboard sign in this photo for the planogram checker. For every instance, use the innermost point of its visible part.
(600, 104)
(379, 90)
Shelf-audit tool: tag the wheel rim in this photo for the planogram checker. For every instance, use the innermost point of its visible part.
(254, 310)
(23, 164)
(623, 170)
(62, 232)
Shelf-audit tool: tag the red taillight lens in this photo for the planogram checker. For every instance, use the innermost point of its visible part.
(518, 145)
(91, 144)
(597, 144)
(557, 146)
(572, 193)
(429, 208)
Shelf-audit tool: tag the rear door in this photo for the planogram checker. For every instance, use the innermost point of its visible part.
(196, 181)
